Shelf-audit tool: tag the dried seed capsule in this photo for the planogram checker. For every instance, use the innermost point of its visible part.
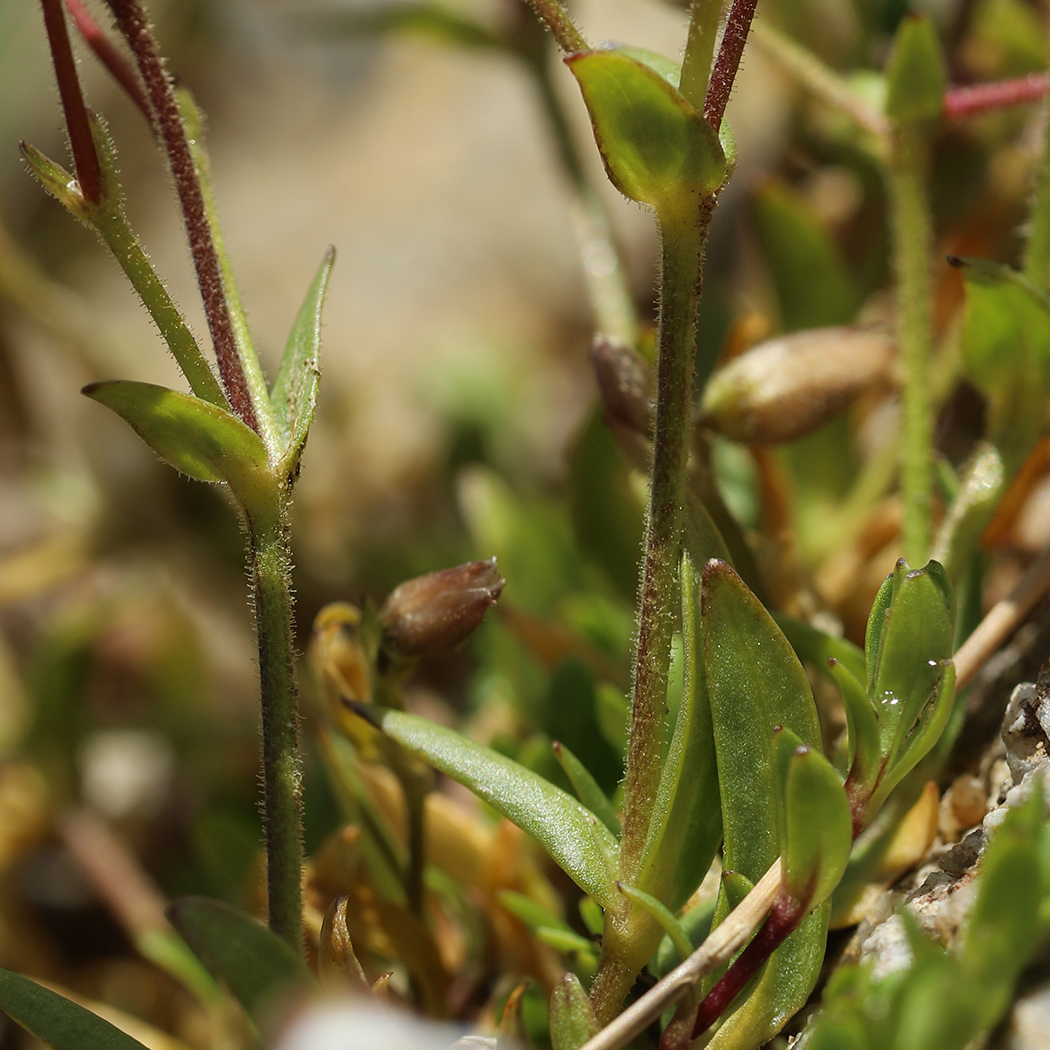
(625, 380)
(788, 387)
(434, 613)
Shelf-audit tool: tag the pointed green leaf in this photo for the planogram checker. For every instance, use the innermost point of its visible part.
(656, 147)
(257, 966)
(572, 1019)
(973, 504)
(668, 923)
(696, 923)
(686, 824)
(917, 634)
(915, 77)
(755, 683)
(531, 912)
(294, 393)
(195, 437)
(586, 787)
(816, 822)
(57, 1021)
(735, 887)
(816, 647)
(862, 726)
(577, 840)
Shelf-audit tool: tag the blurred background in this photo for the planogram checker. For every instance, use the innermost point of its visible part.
(457, 414)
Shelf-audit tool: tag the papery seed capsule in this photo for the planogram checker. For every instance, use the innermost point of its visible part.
(787, 387)
(434, 613)
(625, 380)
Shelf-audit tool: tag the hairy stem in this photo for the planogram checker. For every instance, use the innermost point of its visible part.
(78, 124)
(912, 238)
(271, 580)
(699, 50)
(728, 62)
(1036, 264)
(135, 26)
(554, 16)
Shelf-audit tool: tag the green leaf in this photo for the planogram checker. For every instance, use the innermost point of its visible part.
(815, 647)
(735, 887)
(915, 77)
(195, 437)
(577, 840)
(656, 147)
(756, 683)
(812, 281)
(531, 912)
(816, 823)
(1006, 353)
(686, 826)
(257, 966)
(696, 923)
(56, 1020)
(294, 393)
(572, 1020)
(587, 788)
(656, 910)
(862, 726)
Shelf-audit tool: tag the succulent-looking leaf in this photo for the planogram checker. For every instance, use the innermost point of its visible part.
(696, 923)
(587, 788)
(816, 647)
(195, 437)
(656, 147)
(916, 76)
(735, 887)
(572, 1019)
(983, 480)
(294, 393)
(577, 840)
(57, 1021)
(816, 826)
(257, 966)
(686, 824)
(756, 683)
(862, 725)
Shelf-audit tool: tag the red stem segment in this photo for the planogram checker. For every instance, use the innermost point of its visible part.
(109, 56)
(782, 921)
(135, 26)
(962, 102)
(85, 159)
(738, 25)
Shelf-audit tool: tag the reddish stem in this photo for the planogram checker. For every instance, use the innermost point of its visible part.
(85, 159)
(962, 102)
(109, 56)
(134, 25)
(738, 25)
(782, 921)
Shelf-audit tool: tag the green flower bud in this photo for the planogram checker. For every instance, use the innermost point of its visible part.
(787, 387)
(434, 613)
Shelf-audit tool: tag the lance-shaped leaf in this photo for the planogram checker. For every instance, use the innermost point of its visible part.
(916, 76)
(587, 789)
(257, 966)
(195, 437)
(816, 826)
(57, 1021)
(756, 683)
(686, 825)
(571, 1018)
(294, 393)
(862, 725)
(1006, 353)
(816, 647)
(577, 840)
(656, 147)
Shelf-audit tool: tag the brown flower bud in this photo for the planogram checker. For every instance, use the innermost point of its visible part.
(788, 387)
(434, 613)
(625, 380)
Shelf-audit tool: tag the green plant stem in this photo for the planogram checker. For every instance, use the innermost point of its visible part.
(912, 239)
(624, 946)
(271, 579)
(1036, 264)
(554, 16)
(114, 229)
(699, 50)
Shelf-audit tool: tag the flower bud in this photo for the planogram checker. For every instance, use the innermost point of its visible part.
(787, 387)
(434, 613)
(625, 380)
